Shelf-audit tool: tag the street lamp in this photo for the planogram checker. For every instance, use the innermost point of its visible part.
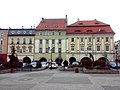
(116, 47)
(51, 55)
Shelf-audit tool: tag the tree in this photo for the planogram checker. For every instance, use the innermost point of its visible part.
(65, 63)
(13, 59)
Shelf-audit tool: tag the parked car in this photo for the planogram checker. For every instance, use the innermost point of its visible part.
(44, 64)
(75, 64)
(36, 64)
(53, 65)
(114, 66)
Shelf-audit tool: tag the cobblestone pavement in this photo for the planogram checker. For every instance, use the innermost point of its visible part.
(58, 80)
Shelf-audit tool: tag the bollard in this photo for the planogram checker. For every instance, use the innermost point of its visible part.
(76, 70)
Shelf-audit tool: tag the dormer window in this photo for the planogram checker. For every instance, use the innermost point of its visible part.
(24, 32)
(18, 32)
(80, 23)
(96, 22)
(12, 32)
(89, 30)
(101, 30)
(56, 26)
(46, 26)
(77, 30)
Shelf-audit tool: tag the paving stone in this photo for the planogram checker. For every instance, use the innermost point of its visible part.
(111, 87)
(105, 75)
(16, 86)
(39, 75)
(70, 80)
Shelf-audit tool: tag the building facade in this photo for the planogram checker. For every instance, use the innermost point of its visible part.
(23, 41)
(3, 45)
(85, 37)
(54, 39)
(50, 39)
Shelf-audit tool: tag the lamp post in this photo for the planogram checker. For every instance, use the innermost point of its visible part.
(116, 47)
(51, 56)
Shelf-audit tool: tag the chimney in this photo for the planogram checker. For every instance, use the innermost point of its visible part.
(42, 19)
(22, 27)
(66, 18)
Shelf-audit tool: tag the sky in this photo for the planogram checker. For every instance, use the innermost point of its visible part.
(27, 13)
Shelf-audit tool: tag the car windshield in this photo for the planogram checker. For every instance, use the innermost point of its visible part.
(75, 63)
(43, 62)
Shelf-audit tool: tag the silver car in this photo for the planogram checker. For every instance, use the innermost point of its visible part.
(44, 64)
(53, 65)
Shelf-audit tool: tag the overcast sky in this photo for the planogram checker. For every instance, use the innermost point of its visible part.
(27, 13)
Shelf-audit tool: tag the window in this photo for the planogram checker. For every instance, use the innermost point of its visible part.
(40, 41)
(98, 48)
(72, 48)
(41, 33)
(89, 48)
(47, 33)
(2, 34)
(30, 41)
(107, 39)
(24, 32)
(59, 33)
(40, 50)
(47, 41)
(72, 39)
(98, 39)
(81, 48)
(59, 50)
(89, 39)
(18, 32)
(47, 50)
(53, 41)
(18, 49)
(18, 41)
(24, 41)
(59, 41)
(24, 49)
(81, 39)
(30, 49)
(12, 40)
(107, 48)
(53, 50)
(0, 50)
(53, 33)
(1, 41)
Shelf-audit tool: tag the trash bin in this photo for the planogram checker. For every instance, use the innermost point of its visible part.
(76, 70)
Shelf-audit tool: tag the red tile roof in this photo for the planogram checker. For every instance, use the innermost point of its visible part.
(89, 27)
(88, 23)
(52, 24)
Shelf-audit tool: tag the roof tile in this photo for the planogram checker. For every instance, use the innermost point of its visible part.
(51, 24)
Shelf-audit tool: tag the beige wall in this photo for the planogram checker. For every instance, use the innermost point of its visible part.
(21, 54)
(78, 54)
